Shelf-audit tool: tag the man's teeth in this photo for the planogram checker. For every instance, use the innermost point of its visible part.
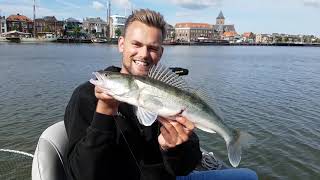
(141, 63)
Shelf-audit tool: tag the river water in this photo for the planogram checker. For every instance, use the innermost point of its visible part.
(271, 92)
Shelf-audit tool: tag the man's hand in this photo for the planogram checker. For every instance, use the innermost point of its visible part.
(106, 104)
(173, 132)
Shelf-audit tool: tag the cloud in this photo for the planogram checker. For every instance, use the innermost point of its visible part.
(122, 3)
(97, 5)
(26, 9)
(68, 4)
(196, 4)
(312, 3)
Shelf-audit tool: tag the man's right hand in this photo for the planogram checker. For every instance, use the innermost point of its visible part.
(106, 104)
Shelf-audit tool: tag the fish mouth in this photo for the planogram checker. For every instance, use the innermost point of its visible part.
(98, 81)
(141, 63)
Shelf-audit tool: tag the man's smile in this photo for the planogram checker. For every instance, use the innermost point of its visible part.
(141, 63)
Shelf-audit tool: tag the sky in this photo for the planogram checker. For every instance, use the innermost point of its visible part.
(257, 16)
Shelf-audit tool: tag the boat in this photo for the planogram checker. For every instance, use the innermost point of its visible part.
(99, 40)
(3, 39)
(46, 37)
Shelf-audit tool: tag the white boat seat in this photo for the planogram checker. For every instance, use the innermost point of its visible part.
(48, 158)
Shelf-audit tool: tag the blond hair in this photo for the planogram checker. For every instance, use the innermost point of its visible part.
(148, 17)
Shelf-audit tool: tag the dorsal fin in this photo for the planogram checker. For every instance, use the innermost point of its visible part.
(162, 73)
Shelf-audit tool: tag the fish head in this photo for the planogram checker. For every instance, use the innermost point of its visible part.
(113, 83)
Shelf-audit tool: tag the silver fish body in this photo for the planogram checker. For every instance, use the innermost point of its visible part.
(166, 100)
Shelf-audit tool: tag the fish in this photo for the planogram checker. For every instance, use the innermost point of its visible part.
(164, 93)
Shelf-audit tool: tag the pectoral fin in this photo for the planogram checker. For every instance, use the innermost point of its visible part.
(145, 117)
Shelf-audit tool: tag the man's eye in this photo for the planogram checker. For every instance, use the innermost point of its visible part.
(154, 48)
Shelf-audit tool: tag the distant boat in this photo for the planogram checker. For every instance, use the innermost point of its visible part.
(3, 39)
(47, 37)
(99, 40)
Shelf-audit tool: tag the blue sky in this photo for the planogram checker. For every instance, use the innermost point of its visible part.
(258, 16)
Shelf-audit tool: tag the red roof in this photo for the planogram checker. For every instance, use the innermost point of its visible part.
(229, 34)
(247, 34)
(19, 17)
(193, 25)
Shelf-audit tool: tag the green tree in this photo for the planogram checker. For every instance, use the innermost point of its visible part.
(76, 31)
(117, 32)
(46, 29)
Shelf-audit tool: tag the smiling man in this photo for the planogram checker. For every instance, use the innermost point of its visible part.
(106, 140)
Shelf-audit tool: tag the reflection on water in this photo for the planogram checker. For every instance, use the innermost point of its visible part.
(271, 92)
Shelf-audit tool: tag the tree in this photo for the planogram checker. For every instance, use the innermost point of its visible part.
(47, 29)
(117, 32)
(76, 31)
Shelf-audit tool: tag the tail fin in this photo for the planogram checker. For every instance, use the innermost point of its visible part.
(238, 140)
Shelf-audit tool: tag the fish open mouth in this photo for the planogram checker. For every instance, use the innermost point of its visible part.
(141, 63)
(98, 81)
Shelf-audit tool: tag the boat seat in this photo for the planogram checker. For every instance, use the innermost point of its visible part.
(48, 157)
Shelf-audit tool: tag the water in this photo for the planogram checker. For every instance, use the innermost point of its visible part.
(271, 92)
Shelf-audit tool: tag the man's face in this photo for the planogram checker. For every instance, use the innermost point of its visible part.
(141, 48)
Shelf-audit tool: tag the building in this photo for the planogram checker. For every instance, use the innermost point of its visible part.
(95, 26)
(70, 24)
(49, 24)
(20, 23)
(117, 23)
(220, 27)
(248, 37)
(264, 38)
(192, 32)
(229, 36)
(3, 24)
(170, 33)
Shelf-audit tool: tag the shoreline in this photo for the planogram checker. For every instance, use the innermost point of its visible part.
(216, 43)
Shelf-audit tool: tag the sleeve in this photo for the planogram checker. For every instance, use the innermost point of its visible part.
(183, 159)
(91, 137)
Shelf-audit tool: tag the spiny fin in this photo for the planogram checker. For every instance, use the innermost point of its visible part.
(145, 118)
(205, 129)
(161, 73)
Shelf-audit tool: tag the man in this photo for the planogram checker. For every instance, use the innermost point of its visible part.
(106, 140)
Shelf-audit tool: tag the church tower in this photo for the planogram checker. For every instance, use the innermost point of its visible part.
(220, 19)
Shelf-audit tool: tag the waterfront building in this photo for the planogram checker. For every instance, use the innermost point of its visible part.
(229, 36)
(49, 24)
(264, 38)
(19, 23)
(95, 26)
(3, 24)
(193, 32)
(170, 36)
(70, 24)
(220, 27)
(248, 37)
(117, 23)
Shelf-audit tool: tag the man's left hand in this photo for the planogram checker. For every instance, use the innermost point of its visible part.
(173, 132)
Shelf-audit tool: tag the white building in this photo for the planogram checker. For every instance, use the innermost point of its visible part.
(3, 25)
(117, 22)
(95, 26)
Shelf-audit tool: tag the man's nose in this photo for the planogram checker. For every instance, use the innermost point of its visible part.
(144, 52)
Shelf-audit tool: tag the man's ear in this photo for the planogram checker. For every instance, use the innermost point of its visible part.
(121, 44)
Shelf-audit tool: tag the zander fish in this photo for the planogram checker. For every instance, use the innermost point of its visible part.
(166, 94)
